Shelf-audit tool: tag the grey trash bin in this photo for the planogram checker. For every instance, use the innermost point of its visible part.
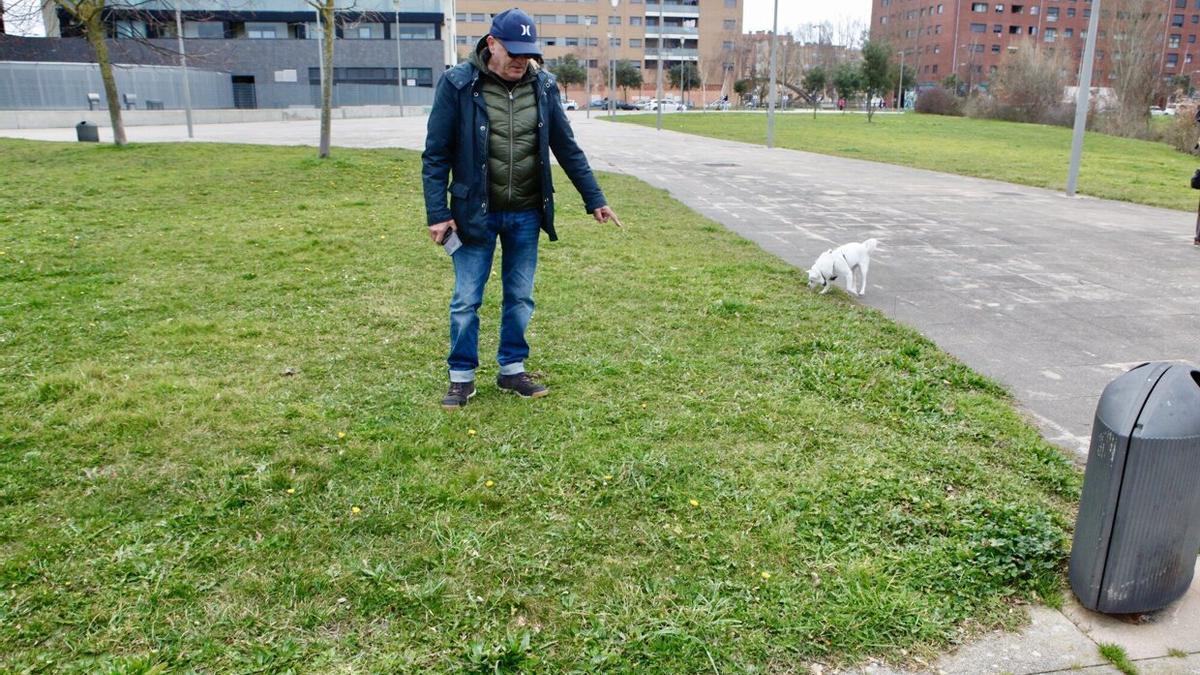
(86, 131)
(1138, 530)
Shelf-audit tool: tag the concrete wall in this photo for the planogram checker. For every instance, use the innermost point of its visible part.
(43, 119)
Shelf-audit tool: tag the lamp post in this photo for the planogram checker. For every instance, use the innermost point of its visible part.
(187, 88)
(771, 103)
(587, 65)
(612, 70)
(900, 84)
(1081, 99)
(658, 90)
(399, 59)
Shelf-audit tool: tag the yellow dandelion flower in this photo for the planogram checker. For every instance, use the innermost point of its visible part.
(608, 476)
(693, 502)
(291, 491)
(355, 509)
(490, 483)
(470, 432)
(766, 575)
(341, 434)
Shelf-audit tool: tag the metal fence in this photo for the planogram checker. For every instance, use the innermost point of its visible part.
(65, 86)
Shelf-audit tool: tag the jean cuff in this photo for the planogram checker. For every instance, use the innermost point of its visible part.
(513, 368)
(462, 376)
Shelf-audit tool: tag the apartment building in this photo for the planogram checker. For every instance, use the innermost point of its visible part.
(969, 39)
(268, 49)
(643, 32)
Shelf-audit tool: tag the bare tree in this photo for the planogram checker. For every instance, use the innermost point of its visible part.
(1135, 51)
(325, 10)
(1030, 81)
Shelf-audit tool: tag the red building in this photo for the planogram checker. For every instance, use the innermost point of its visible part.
(969, 39)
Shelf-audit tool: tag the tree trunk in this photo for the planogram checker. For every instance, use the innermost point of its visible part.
(327, 85)
(95, 36)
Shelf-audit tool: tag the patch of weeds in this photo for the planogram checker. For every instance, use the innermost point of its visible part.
(509, 656)
(1115, 654)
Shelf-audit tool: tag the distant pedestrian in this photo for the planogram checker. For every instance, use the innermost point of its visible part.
(842, 104)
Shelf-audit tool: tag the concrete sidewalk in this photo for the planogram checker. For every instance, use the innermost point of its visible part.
(1053, 296)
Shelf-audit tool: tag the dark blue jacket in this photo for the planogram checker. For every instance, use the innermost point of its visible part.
(455, 157)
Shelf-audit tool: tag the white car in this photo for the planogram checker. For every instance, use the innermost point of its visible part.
(570, 104)
(669, 106)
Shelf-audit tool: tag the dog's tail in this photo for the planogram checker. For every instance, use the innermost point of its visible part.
(871, 244)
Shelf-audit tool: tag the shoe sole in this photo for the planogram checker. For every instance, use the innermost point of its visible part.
(536, 395)
(457, 406)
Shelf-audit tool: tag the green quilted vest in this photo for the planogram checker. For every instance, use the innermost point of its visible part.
(513, 182)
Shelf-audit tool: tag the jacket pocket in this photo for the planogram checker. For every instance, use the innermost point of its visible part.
(460, 190)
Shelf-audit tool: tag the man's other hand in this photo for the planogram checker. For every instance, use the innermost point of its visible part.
(437, 231)
(605, 214)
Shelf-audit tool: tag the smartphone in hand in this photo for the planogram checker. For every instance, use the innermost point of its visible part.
(451, 242)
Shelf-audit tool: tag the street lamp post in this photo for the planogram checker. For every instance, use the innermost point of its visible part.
(900, 84)
(587, 65)
(1081, 99)
(612, 69)
(399, 60)
(771, 103)
(187, 88)
(658, 90)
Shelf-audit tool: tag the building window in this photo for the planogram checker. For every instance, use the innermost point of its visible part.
(730, 4)
(979, 7)
(417, 31)
(979, 28)
(636, 43)
(203, 29)
(1050, 35)
(362, 31)
(727, 45)
(1173, 42)
(130, 29)
(572, 42)
(635, 21)
(614, 21)
(729, 24)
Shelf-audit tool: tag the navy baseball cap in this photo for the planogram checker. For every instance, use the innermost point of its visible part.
(517, 32)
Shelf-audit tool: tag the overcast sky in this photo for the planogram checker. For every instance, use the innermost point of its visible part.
(792, 13)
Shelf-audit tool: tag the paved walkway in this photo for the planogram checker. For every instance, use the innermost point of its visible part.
(1050, 295)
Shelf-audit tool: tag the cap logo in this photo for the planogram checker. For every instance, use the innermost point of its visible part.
(525, 30)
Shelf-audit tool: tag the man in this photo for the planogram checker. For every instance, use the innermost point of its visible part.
(494, 121)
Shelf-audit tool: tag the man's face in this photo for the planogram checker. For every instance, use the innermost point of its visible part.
(507, 66)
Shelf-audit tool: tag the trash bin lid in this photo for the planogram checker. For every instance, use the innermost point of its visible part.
(1123, 398)
(1173, 409)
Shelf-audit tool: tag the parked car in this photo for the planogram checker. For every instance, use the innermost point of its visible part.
(670, 106)
(570, 104)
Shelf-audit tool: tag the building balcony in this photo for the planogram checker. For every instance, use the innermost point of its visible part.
(672, 31)
(672, 8)
(677, 54)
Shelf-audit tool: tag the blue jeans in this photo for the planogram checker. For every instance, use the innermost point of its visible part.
(518, 232)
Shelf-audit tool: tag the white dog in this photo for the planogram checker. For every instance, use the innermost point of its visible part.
(843, 262)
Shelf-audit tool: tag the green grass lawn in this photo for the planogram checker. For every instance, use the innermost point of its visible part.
(1129, 170)
(222, 449)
